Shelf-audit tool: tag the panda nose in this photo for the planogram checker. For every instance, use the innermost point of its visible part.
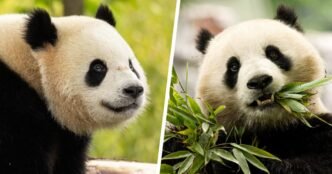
(133, 91)
(259, 82)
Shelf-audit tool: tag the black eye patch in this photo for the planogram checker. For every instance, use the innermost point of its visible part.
(96, 74)
(233, 68)
(133, 69)
(273, 53)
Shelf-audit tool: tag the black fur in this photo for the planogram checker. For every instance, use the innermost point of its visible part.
(31, 141)
(233, 68)
(301, 149)
(40, 30)
(133, 69)
(203, 40)
(273, 53)
(105, 14)
(288, 16)
(96, 74)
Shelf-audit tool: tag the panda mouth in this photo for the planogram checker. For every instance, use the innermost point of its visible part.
(121, 108)
(264, 100)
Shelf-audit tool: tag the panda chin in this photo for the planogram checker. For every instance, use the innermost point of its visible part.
(263, 102)
(132, 106)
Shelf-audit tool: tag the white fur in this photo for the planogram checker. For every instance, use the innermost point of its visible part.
(247, 42)
(60, 71)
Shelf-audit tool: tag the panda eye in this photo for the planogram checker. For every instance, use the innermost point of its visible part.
(99, 67)
(96, 74)
(131, 66)
(233, 65)
(274, 54)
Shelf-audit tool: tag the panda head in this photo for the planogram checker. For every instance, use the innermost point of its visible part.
(89, 75)
(247, 63)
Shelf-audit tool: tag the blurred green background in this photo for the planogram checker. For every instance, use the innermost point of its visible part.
(147, 26)
(313, 14)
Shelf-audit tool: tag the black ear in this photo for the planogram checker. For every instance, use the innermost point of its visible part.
(288, 16)
(39, 29)
(203, 40)
(104, 13)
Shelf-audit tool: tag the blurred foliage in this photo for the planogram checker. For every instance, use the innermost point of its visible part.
(147, 26)
(313, 15)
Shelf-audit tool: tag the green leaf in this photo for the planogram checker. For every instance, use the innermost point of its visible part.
(175, 78)
(291, 96)
(197, 164)
(302, 118)
(166, 169)
(173, 119)
(310, 85)
(196, 147)
(255, 151)
(255, 162)
(186, 164)
(285, 106)
(204, 139)
(188, 119)
(186, 132)
(290, 86)
(177, 155)
(295, 106)
(193, 105)
(177, 165)
(219, 109)
(213, 156)
(205, 127)
(224, 154)
(241, 161)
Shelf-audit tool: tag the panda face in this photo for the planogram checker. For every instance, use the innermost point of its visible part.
(247, 63)
(90, 76)
(98, 67)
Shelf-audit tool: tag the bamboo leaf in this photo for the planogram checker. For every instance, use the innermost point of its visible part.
(219, 109)
(225, 155)
(310, 85)
(255, 162)
(177, 155)
(241, 161)
(166, 169)
(196, 147)
(205, 127)
(255, 151)
(197, 164)
(193, 105)
(186, 164)
(295, 106)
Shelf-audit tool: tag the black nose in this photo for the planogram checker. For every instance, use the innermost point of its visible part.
(133, 91)
(259, 82)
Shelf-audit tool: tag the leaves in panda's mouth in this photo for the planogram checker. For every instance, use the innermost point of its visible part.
(294, 98)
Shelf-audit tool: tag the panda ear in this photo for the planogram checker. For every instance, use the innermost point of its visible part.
(203, 40)
(39, 29)
(288, 16)
(105, 14)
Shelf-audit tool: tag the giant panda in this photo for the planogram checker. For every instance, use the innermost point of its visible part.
(61, 78)
(242, 67)
(247, 63)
